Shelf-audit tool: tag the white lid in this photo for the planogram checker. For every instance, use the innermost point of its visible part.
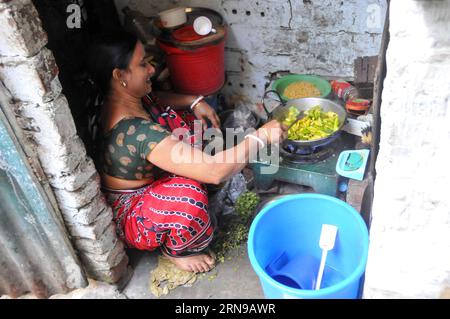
(172, 10)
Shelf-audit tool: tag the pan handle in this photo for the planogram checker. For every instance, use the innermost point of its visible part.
(266, 98)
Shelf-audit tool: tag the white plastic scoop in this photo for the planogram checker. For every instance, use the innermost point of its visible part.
(326, 242)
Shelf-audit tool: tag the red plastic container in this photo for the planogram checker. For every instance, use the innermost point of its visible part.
(344, 90)
(197, 71)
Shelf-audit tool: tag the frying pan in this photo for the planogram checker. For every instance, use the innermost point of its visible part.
(272, 98)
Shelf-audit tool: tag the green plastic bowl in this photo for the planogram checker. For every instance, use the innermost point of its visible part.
(282, 83)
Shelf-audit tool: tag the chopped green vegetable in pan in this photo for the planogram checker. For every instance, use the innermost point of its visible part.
(315, 125)
(291, 116)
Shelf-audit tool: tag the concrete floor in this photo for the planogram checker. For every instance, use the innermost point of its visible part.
(234, 279)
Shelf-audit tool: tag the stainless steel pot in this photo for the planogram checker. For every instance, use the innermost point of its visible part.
(228, 116)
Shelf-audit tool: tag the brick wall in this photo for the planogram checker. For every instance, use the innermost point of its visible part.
(29, 72)
(314, 37)
(410, 232)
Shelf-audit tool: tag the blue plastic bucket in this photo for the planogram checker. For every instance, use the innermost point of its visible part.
(283, 247)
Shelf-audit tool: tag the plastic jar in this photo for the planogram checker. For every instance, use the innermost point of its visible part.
(350, 93)
(344, 90)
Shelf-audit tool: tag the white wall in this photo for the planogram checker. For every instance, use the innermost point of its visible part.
(409, 255)
(320, 37)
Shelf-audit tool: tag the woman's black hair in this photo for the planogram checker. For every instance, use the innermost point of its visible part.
(107, 52)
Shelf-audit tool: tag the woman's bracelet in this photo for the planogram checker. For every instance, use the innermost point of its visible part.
(265, 133)
(196, 101)
(260, 141)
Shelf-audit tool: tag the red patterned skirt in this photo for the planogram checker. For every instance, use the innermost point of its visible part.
(170, 213)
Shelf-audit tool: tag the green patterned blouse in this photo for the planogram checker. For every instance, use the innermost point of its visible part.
(125, 147)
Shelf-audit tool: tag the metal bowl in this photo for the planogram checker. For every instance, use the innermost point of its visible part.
(228, 120)
(305, 104)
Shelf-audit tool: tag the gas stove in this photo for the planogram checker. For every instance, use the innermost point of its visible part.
(306, 156)
(316, 169)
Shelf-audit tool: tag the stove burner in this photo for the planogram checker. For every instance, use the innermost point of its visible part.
(305, 155)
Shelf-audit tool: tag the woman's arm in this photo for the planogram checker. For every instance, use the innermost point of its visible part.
(182, 159)
(176, 101)
(202, 110)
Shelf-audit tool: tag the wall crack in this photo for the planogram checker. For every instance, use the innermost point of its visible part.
(290, 13)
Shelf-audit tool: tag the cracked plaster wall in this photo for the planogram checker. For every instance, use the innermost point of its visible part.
(409, 252)
(303, 36)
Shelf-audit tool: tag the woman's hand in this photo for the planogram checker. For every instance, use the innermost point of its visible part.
(272, 132)
(203, 111)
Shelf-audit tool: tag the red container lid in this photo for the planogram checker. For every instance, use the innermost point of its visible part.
(186, 34)
(358, 104)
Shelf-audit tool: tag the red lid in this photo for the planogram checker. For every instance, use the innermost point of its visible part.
(357, 105)
(186, 34)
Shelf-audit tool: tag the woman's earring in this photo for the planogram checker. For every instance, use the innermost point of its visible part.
(124, 84)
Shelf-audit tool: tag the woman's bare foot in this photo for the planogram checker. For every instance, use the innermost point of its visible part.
(196, 263)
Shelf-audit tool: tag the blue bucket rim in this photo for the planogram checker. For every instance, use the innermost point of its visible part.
(358, 272)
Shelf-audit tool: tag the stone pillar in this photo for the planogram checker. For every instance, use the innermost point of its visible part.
(29, 73)
(409, 252)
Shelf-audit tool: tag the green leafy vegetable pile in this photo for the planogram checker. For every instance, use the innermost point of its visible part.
(246, 204)
(232, 234)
